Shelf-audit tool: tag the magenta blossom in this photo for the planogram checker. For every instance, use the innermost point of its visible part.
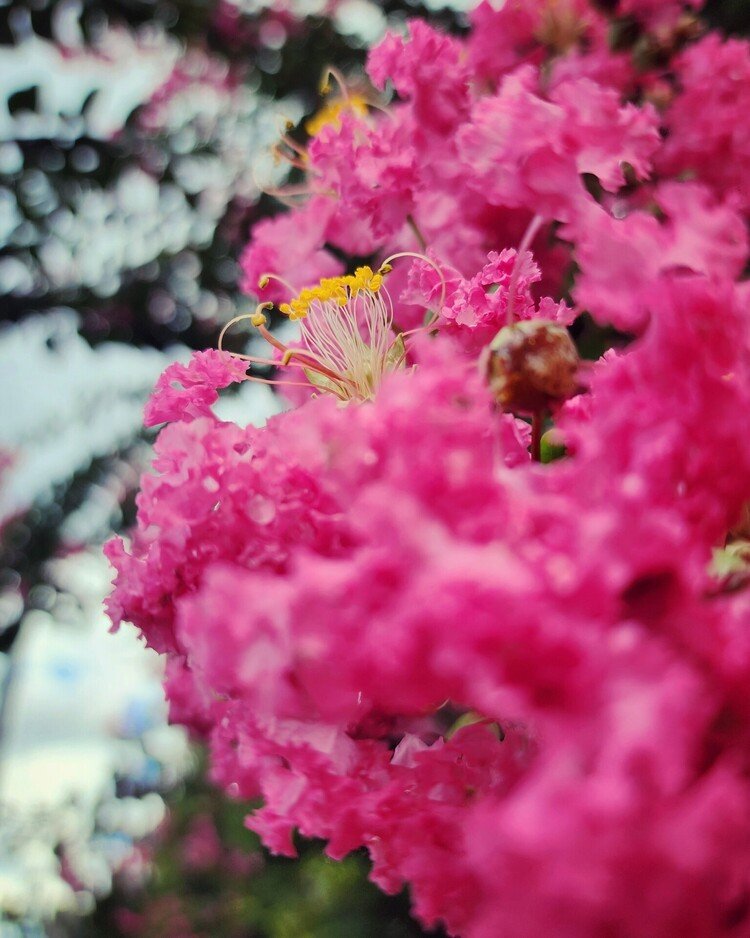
(521, 683)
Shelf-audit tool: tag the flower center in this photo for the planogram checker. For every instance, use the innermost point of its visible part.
(346, 325)
(347, 337)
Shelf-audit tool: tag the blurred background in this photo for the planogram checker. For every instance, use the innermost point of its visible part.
(134, 144)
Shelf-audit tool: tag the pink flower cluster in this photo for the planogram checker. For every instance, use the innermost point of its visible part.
(521, 686)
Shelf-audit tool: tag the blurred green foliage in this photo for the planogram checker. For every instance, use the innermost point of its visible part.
(210, 877)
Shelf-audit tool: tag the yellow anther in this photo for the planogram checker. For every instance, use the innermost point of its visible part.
(330, 114)
(263, 282)
(258, 318)
(337, 290)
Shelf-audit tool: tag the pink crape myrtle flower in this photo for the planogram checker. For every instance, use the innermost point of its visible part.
(658, 14)
(505, 35)
(437, 87)
(290, 246)
(707, 137)
(476, 308)
(525, 150)
(623, 252)
(185, 392)
(581, 593)
(521, 684)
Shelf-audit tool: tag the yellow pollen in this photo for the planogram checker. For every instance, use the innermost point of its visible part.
(339, 290)
(330, 114)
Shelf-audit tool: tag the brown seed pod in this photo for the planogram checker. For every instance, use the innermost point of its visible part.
(531, 365)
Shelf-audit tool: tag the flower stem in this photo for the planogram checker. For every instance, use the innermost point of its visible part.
(537, 425)
(417, 233)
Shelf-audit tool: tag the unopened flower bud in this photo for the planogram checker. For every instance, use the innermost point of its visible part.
(531, 365)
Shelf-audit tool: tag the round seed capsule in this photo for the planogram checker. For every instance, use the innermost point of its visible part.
(531, 365)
